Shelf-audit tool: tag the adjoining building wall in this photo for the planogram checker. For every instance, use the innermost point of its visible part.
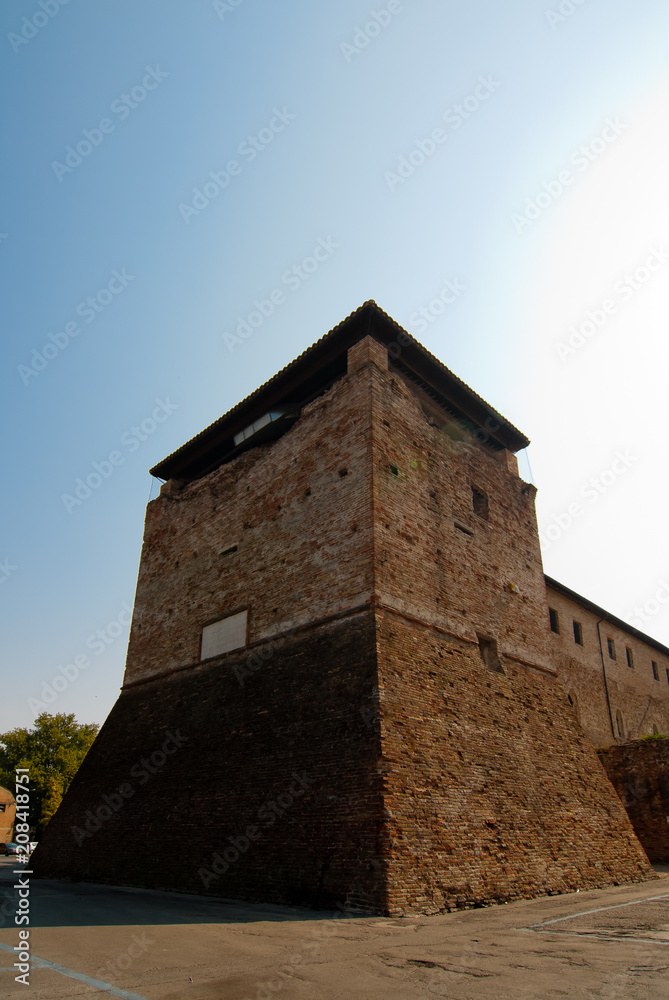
(7, 815)
(615, 702)
(639, 772)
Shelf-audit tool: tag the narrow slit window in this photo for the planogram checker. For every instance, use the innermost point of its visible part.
(656, 672)
(578, 633)
(630, 658)
(480, 503)
(611, 646)
(554, 621)
(620, 725)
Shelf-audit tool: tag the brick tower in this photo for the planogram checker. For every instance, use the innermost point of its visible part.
(338, 688)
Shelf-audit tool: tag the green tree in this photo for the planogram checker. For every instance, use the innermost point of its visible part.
(52, 751)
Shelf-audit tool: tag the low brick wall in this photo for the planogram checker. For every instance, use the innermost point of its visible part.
(639, 772)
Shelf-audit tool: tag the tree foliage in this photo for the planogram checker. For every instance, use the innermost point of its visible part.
(52, 751)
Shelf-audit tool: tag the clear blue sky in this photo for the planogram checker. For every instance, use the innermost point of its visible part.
(121, 280)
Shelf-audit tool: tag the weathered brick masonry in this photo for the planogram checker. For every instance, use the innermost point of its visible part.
(294, 723)
(619, 692)
(373, 528)
(639, 772)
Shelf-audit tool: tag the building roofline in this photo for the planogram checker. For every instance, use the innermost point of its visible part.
(605, 615)
(324, 362)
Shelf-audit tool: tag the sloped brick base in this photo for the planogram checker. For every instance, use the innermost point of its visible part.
(639, 773)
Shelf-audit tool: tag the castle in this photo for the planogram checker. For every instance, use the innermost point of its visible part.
(348, 680)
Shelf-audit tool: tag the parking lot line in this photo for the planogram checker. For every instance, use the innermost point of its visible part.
(586, 913)
(43, 963)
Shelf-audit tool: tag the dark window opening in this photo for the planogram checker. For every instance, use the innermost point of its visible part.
(620, 725)
(489, 654)
(667, 669)
(553, 617)
(2, 807)
(611, 646)
(578, 633)
(656, 672)
(480, 503)
(630, 658)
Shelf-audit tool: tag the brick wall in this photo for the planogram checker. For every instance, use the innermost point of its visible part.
(435, 557)
(492, 791)
(299, 512)
(639, 772)
(373, 586)
(297, 722)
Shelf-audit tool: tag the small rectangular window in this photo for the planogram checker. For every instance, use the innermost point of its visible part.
(578, 633)
(480, 503)
(656, 672)
(630, 658)
(2, 807)
(224, 635)
(553, 617)
(611, 646)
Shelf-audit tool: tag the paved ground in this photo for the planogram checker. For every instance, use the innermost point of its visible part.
(92, 941)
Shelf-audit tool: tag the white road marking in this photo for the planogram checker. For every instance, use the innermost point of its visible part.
(42, 963)
(586, 913)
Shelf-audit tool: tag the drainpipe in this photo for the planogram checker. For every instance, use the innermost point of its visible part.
(606, 686)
